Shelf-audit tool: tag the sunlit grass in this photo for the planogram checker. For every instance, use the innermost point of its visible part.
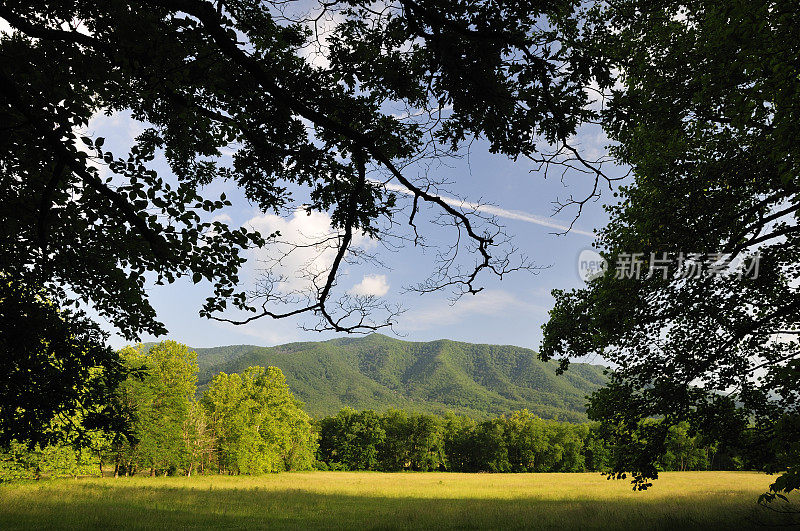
(678, 500)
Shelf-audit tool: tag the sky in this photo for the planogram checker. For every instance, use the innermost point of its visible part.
(510, 311)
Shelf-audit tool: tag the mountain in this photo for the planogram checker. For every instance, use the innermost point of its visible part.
(379, 372)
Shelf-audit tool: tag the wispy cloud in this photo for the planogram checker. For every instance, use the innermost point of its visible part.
(268, 334)
(497, 211)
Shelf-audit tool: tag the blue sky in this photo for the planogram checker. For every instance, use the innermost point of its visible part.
(507, 312)
(510, 311)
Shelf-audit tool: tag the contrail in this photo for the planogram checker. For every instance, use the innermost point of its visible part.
(492, 210)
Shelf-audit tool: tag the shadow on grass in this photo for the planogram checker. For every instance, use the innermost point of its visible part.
(117, 505)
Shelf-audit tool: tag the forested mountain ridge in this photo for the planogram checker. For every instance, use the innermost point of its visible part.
(379, 372)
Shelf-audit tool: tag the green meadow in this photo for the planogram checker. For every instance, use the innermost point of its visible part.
(373, 500)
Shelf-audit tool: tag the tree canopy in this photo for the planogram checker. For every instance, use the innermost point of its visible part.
(259, 426)
(706, 117)
(48, 385)
(158, 396)
(203, 76)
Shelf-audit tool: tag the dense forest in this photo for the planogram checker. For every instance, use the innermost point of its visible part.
(250, 423)
(519, 442)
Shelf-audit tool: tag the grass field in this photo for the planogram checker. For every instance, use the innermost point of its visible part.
(679, 500)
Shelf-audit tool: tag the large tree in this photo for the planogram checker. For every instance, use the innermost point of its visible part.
(706, 114)
(258, 424)
(158, 395)
(88, 225)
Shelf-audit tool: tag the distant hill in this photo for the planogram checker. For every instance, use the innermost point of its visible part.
(379, 372)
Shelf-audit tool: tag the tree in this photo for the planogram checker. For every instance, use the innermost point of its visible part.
(683, 451)
(706, 117)
(394, 453)
(412, 442)
(458, 449)
(199, 439)
(21, 461)
(352, 440)
(426, 443)
(159, 394)
(258, 425)
(203, 76)
(596, 451)
(527, 442)
(490, 447)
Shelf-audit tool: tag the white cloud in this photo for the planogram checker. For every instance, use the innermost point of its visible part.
(375, 285)
(121, 124)
(299, 229)
(317, 51)
(487, 302)
(304, 250)
(224, 218)
(5, 27)
(496, 211)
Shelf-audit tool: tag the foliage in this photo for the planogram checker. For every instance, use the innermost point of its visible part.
(158, 396)
(520, 442)
(351, 439)
(56, 370)
(248, 423)
(92, 227)
(257, 424)
(201, 77)
(19, 461)
(378, 372)
(706, 117)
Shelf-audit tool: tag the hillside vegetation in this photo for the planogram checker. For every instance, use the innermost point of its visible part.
(379, 372)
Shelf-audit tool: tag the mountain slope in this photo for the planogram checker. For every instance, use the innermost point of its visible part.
(379, 372)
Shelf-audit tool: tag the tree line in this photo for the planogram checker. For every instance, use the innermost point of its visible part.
(398, 440)
(250, 423)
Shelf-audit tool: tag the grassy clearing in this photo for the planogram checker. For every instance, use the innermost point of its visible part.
(679, 500)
